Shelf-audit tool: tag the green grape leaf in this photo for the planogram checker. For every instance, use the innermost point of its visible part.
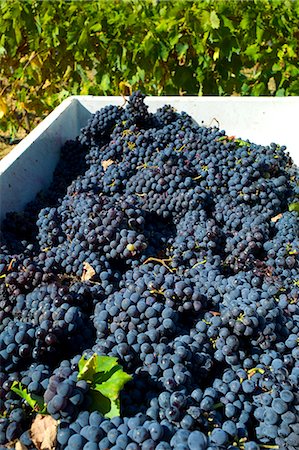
(34, 401)
(214, 20)
(87, 368)
(115, 409)
(181, 49)
(83, 39)
(97, 369)
(105, 363)
(105, 82)
(112, 387)
(101, 377)
(163, 52)
(241, 143)
(294, 207)
(98, 402)
(109, 408)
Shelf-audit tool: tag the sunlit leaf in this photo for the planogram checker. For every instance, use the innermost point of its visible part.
(105, 83)
(214, 19)
(114, 409)
(35, 402)
(105, 363)
(87, 367)
(83, 39)
(112, 387)
(3, 108)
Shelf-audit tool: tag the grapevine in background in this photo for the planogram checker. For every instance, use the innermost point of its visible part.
(50, 50)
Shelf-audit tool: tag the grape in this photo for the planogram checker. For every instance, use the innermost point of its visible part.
(197, 441)
(76, 442)
(219, 436)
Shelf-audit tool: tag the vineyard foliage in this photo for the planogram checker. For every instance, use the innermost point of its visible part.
(52, 49)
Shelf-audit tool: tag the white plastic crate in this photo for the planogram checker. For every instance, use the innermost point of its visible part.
(30, 165)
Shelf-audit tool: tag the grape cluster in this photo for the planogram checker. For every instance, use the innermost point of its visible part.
(170, 246)
(65, 394)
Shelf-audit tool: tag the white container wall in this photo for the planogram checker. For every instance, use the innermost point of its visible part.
(30, 165)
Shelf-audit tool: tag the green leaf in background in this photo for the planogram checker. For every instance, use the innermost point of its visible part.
(84, 38)
(141, 73)
(294, 207)
(163, 51)
(105, 83)
(214, 20)
(253, 51)
(181, 49)
(228, 23)
(256, 42)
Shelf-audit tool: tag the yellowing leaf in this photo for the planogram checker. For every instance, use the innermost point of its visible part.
(216, 54)
(24, 59)
(46, 84)
(125, 88)
(3, 108)
(43, 432)
(67, 73)
(19, 446)
(35, 62)
(87, 367)
(214, 19)
(32, 56)
(105, 164)
(88, 272)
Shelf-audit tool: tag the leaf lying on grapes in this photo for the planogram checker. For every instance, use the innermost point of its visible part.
(106, 164)
(294, 207)
(276, 218)
(93, 368)
(242, 143)
(114, 384)
(34, 401)
(88, 272)
(107, 379)
(43, 432)
(87, 368)
(19, 446)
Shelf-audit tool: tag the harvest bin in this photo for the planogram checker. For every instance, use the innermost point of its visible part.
(30, 165)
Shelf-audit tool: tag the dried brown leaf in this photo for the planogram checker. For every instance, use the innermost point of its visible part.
(88, 272)
(107, 163)
(276, 218)
(19, 446)
(43, 432)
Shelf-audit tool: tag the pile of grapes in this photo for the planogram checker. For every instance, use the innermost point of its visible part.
(174, 248)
